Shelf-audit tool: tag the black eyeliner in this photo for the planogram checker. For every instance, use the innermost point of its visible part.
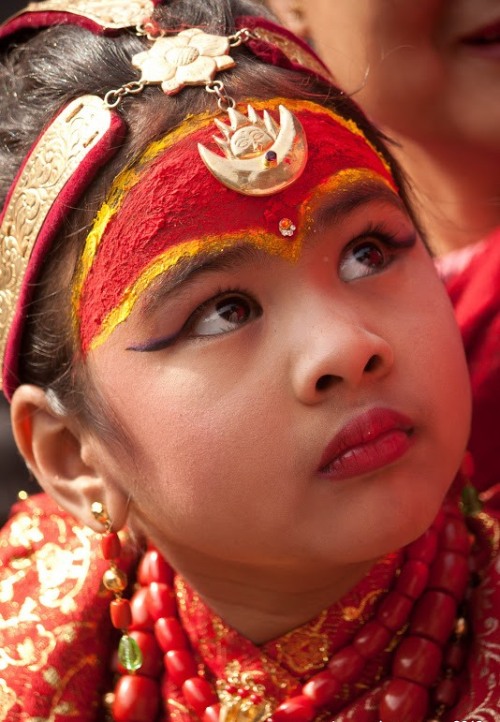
(157, 344)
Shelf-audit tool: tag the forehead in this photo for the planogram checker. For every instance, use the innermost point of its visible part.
(325, 213)
(168, 208)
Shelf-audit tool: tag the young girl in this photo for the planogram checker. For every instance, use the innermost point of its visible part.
(234, 352)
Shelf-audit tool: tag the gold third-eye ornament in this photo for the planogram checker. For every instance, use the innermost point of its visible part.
(261, 157)
(115, 580)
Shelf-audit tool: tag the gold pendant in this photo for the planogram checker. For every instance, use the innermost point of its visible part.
(261, 157)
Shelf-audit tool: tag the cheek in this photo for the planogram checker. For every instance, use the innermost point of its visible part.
(437, 358)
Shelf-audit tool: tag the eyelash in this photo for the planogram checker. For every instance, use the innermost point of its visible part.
(386, 235)
(166, 342)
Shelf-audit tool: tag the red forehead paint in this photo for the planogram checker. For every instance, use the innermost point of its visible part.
(169, 203)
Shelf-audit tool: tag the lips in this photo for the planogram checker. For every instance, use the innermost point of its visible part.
(367, 443)
(484, 36)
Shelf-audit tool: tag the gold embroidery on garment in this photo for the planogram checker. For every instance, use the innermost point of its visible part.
(36, 642)
(306, 649)
(352, 614)
(177, 712)
(241, 708)
(111, 14)
(57, 156)
(491, 528)
(7, 700)
(60, 684)
(293, 51)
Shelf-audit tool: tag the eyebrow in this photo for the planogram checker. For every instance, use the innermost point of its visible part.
(340, 204)
(346, 200)
(188, 268)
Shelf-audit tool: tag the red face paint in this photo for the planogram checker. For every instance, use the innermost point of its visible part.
(169, 206)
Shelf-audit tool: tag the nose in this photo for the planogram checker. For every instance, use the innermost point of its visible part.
(338, 351)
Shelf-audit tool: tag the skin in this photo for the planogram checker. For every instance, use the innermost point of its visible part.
(410, 68)
(227, 424)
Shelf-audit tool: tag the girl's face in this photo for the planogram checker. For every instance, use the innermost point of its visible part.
(426, 70)
(291, 414)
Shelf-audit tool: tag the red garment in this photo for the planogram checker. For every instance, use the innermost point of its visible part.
(475, 294)
(56, 641)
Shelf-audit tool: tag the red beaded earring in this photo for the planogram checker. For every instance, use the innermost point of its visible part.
(115, 580)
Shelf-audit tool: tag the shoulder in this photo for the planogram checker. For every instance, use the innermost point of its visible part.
(54, 632)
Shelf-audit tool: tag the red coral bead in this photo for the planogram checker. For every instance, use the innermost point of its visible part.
(372, 639)
(418, 660)
(455, 657)
(212, 713)
(198, 694)
(295, 709)
(467, 465)
(160, 601)
(180, 666)
(154, 568)
(170, 634)
(111, 546)
(347, 664)
(434, 616)
(455, 536)
(404, 701)
(322, 689)
(424, 548)
(121, 613)
(137, 699)
(439, 521)
(141, 618)
(413, 578)
(446, 692)
(450, 573)
(394, 611)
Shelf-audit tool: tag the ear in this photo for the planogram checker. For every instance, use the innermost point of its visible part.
(290, 14)
(65, 459)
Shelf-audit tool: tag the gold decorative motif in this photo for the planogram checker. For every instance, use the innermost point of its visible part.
(8, 699)
(261, 157)
(190, 58)
(242, 696)
(293, 51)
(352, 614)
(110, 14)
(57, 156)
(304, 650)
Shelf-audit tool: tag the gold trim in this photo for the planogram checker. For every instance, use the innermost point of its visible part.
(110, 14)
(57, 155)
(293, 51)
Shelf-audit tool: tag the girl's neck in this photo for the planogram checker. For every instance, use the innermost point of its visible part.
(266, 604)
(457, 192)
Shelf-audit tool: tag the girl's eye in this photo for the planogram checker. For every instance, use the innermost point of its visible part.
(223, 314)
(370, 255)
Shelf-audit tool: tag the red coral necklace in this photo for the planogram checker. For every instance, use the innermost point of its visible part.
(423, 611)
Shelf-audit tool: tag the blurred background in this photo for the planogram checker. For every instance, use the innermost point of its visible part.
(13, 474)
(9, 7)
